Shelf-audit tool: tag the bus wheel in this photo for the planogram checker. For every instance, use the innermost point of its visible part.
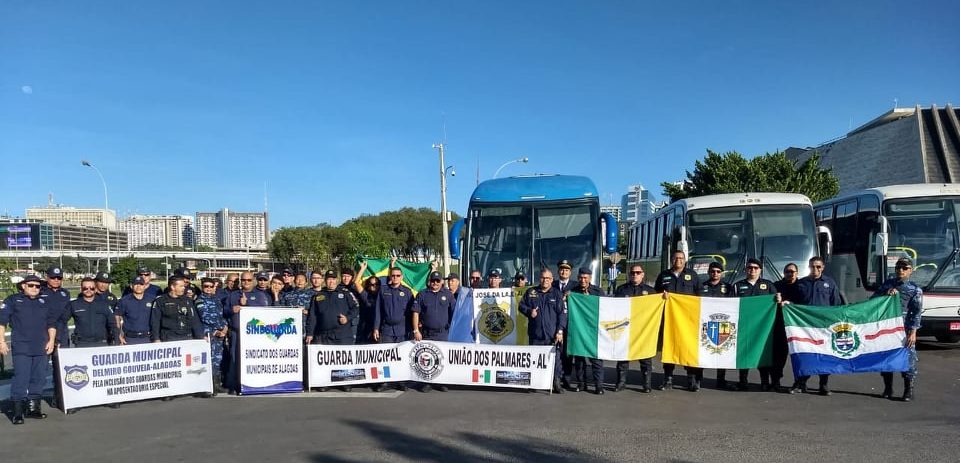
(948, 337)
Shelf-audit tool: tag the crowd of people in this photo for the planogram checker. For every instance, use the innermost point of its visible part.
(342, 309)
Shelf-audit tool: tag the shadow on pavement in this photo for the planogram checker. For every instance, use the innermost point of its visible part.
(460, 447)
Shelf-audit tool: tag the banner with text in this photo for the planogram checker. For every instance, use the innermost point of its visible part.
(271, 350)
(527, 367)
(498, 321)
(110, 374)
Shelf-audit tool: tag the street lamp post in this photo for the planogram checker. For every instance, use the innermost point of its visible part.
(522, 160)
(106, 206)
(443, 208)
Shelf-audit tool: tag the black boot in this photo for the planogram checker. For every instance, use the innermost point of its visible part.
(887, 386)
(907, 389)
(218, 384)
(580, 387)
(621, 384)
(599, 388)
(667, 383)
(799, 387)
(557, 389)
(645, 386)
(692, 384)
(34, 410)
(17, 412)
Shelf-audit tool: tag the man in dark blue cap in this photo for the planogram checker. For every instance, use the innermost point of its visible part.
(263, 282)
(133, 313)
(390, 317)
(563, 284)
(94, 322)
(432, 313)
(56, 297)
(580, 363)
(494, 278)
(103, 281)
(33, 339)
(520, 280)
(330, 313)
(152, 291)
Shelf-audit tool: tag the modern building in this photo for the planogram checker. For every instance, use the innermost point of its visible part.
(32, 234)
(74, 215)
(232, 230)
(161, 230)
(903, 145)
(636, 204)
(612, 210)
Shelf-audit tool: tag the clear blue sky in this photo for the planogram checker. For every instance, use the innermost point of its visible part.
(191, 106)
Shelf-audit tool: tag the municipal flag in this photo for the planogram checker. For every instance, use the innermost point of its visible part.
(481, 376)
(382, 372)
(718, 332)
(854, 338)
(613, 328)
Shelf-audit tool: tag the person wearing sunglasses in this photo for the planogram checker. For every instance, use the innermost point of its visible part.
(133, 313)
(93, 320)
(331, 311)
(390, 322)
(635, 286)
(215, 327)
(584, 286)
(476, 279)
(820, 290)
(714, 287)
(911, 302)
(681, 280)
(152, 291)
(431, 315)
(786, 292)
(546, 312)
(33, 338)
(247, 296)
(754, 285)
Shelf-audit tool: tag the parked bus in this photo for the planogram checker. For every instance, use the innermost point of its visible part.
(527, 223)
(776, 228)
(875, 227)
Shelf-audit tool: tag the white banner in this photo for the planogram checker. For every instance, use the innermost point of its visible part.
(498, 321)
(526, 367)
(271, 350)
(103, 375)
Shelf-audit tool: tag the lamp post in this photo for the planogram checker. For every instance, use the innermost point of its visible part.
(106, 206)
(443, 208)
(522, 160)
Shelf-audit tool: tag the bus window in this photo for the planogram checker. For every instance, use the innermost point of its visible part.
(845, 228)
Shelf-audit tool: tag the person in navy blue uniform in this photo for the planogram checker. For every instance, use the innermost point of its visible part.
(715, 287)
(152, 291)
(546, 311)
(94, 322)
(247, 296)
(331, 311)
(33, 339)
(681, 280)
(133, 313)
(563, 283)
(431, 314)
(287, 276)
(174, 318)
(821, 290)
(103, 281)
(367, 297)
(580, 363)
(786, 291)
(634, 287)
(54, 294)
(911, 301)
(263, 282)
(520, 280)
(210, 311)
(230, 285)
(391, 315)
(754, 285)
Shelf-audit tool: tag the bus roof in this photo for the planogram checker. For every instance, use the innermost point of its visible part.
(540, 187)
(915, 190)
(745, 199)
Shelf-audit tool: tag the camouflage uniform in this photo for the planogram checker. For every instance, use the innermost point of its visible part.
(211, 315)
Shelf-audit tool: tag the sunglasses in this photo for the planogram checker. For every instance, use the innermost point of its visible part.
(209, 286)
(636, 273)
(144, 274)
(904, 267)
(396, 276)
(54, 278)
(246, 279)
(474, 278)
(31, 285)
(87, 288)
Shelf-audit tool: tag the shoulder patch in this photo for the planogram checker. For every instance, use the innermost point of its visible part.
(687, 277)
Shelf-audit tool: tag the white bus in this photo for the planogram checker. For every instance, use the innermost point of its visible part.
(776, 228)
(875, 227)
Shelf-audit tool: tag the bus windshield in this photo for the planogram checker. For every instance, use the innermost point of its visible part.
(925, 231)
(532, 236)
(730, 235)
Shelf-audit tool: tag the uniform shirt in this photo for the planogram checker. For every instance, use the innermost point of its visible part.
(110, 298)
(435, 308)
(58, 299)
(393, 305)
(911, 300)
(822, 291)
(255, 298)
(720, 289)
(150, 293)
(326, 307)
(590, 289)
(296, 298)
(30, 318)
(760, 288)
(135, 313)
(174, 318)
(93, 321)
(687, 282)
(210, 312)
(629, 290)
(551, 313)
(564, 286)
(788, 291)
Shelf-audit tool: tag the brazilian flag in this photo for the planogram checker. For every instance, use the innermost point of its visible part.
(414, 274)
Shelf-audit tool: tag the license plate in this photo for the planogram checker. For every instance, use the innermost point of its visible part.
(954, 326)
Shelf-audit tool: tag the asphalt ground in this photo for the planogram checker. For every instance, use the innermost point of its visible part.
(853, 424)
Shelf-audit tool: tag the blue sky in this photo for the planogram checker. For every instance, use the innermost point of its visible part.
(193, 106)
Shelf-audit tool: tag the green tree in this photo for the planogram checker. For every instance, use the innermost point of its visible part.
(771, 172)
(124, 270)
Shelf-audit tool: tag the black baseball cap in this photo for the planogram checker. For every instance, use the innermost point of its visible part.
(715, 265)
(453, 276)
(435, 276)
(584, 271)
(54, 272)
(286, 271)
(754, 261)
(142, 271)
(329, 274)
(494, 273)
(138, 280)
(103, 277)
(350, 272)
(31, 278)
(904, 262)
(263, 276)
(519, 275)
(564, 263)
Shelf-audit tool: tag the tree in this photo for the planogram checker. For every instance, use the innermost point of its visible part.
(124, 270)
(771, 172)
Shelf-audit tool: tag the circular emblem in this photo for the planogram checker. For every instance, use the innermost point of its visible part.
(150, 304)
(443, 298)
(763, 286)
(426, 360)
(401, 294)
(844, 340)
(723, 290)
(340, 296)
(494, 323)
(686, 277)
(75, 376)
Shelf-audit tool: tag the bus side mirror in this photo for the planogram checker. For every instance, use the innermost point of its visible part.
(455, 238)
(610, 235)
(825, 240)
(881, 244)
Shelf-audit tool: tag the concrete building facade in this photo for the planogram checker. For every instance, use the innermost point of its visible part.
(637, 204)
(74, 215)
(233, 230)
(162, 230)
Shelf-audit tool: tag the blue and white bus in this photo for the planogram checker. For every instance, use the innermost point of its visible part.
(527, 223)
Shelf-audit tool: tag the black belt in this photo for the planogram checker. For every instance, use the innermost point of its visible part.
(393, 322)
(136, 334)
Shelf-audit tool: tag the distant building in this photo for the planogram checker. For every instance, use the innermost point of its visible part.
(74, 215)
(35, 235)
(235, 230)
(637, 204)
(612, 210)
(162, 230)
(903, 145)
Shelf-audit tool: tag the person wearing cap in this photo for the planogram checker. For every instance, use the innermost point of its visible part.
(820, 290)
(330, 313)
(133, 314)
(33, 339)
(55, 296)
(494, 278)
(546, 312)
(390, 322)
(93, 319)
(754, 285)
(431, 315)
(287, 277)
(476, 279)
(263, 282)
(713, 287)
(562, 283)
(911, 302)
(299, 296)
(634, 286)
(584, 286)
(152, 290)
(215, 327)
(519, 280)
(174, 317)
(103, 281)
(247, 296)
(681, 280)
(786, 292)
(370, 290)
(349, 283)
(564, 271)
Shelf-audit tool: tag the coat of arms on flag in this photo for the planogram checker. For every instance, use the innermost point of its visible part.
(719, 333)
